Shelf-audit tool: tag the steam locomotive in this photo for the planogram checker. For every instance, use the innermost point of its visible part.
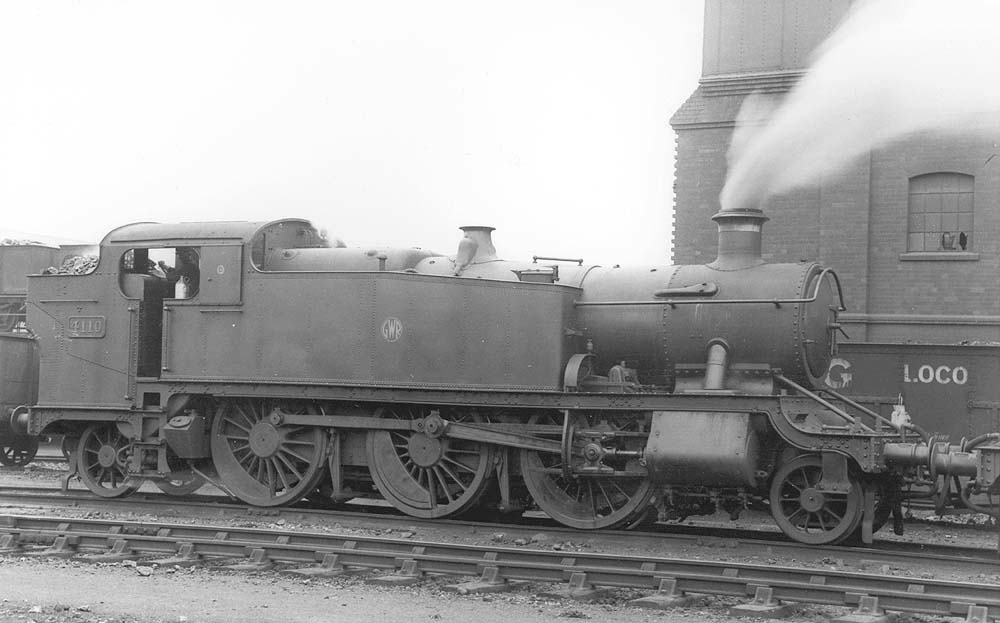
(284, 366)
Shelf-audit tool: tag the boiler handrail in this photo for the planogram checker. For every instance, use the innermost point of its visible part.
(695, 301)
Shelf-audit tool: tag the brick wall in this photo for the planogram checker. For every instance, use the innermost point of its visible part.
(855, 220)
(959, 286)
(699, 174)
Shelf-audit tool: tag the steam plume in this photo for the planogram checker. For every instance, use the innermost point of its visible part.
(894, 67)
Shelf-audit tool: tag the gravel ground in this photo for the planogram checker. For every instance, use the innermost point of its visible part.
(59, 591)
(51, 591)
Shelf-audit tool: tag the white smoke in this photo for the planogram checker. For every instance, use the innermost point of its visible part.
(892, 68)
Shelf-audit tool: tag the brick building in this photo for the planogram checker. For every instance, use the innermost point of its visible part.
(912, 228)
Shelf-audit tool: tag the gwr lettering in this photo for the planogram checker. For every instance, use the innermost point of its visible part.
(944, 375)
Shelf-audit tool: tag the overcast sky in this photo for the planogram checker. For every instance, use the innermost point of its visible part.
(383, 121)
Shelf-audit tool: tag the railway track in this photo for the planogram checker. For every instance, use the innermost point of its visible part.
(491, 567)
(831, 569)
(764, 542)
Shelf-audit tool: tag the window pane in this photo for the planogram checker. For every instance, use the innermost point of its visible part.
(940, 203)
(933, 183)
(932, 223)
(965, 223)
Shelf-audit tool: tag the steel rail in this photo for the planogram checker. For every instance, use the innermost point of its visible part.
(752, 540)
(816, 586)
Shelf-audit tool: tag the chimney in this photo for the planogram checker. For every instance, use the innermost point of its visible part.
(483, 237)
(739, 238)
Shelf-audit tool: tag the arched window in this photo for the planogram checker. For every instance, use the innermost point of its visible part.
(941, 211)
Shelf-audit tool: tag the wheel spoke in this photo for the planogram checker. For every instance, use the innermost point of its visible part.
(604, 494)
(804, 520)
(458, 464)
(282, 476)
(235, 424)
(298, 457)
(245, 457)
(442, 470)
(269, 475)
(439, 474)
(239, 412)
(240, 447)
(289, 465)
(431, 488)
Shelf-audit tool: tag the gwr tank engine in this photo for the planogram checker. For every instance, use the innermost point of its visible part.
(281, 366)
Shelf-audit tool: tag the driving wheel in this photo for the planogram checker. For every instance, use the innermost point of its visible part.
(605, 492)
(426, 474)
(260, 458)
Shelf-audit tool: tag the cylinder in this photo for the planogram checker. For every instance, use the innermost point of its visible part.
(705, 449)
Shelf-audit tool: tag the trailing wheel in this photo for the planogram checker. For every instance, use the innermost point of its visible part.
(182, 479)
(180, 483)
(261, 459)
(590, 493)
(102, 456)
(807, 513)
(18, 450)
(423, 473)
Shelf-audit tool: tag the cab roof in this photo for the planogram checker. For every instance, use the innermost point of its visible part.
(188, 233)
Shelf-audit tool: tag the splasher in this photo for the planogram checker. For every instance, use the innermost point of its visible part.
(893, 68)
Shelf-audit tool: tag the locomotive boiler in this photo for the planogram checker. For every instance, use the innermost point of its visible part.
(282, 366)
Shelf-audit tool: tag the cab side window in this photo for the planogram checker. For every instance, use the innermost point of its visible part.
(175, 271)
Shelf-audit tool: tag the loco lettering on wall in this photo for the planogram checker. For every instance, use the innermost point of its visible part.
(944, 375)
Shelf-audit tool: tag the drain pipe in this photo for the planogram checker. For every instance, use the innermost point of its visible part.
(715, 366)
